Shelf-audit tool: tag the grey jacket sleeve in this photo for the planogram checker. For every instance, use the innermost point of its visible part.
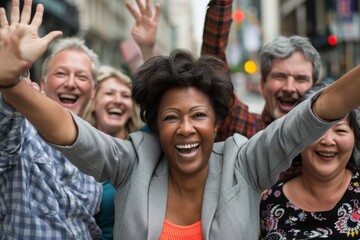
(99, 155)
(270, 151)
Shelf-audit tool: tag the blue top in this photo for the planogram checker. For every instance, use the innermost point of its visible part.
(42, 195)
(106, 216)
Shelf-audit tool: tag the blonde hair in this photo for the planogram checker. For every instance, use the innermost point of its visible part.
(105, 72)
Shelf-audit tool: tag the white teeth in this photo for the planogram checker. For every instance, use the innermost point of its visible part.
(68, 96)
(326, 154)
(115, 111)
(187, 146)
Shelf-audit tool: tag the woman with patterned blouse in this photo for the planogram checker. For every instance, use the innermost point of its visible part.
(323, 200)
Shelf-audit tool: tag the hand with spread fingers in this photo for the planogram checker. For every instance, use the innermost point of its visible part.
(145, 28)
(20, 37)
(12, 65)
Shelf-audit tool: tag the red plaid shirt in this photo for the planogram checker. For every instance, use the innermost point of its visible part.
(215, 38)
(239, 120)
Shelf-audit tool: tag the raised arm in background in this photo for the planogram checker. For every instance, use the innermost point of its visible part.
(145, 27)
(215, 39)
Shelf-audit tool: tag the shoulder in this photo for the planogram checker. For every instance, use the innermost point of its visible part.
(145, 142)
(237, 140)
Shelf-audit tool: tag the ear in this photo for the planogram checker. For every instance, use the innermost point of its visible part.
(216, 127)
(93, 105)
(42, 84)
(93, 91)
(262, 84)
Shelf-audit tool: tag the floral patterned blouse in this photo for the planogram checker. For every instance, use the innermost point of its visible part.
(280, 219)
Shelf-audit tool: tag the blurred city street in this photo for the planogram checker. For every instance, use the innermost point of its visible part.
(251, 98)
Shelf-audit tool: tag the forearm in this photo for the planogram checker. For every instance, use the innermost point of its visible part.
(149, 52)
(339, 98)
(52, 121)
(217, 28)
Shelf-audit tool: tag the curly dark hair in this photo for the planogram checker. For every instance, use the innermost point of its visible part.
(157, 75)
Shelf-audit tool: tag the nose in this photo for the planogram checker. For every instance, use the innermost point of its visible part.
(327, 139)
(289, 84)
(186, 127)
(70, 81)
(117, 98)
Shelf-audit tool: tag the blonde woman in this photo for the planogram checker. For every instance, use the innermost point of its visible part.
(113, 112)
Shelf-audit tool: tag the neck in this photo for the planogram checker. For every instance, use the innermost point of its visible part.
(188, 185)
(320, 187)
(311, 193)
(186, 193)
(119, 133)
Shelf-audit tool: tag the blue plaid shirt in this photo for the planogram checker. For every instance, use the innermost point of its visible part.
(42, 195)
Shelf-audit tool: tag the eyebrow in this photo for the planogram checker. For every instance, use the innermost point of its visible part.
(293, 75)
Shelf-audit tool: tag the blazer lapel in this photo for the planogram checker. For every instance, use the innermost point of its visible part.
(158, 200)
(211, 194)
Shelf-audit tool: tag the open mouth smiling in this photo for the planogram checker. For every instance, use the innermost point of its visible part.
(115, 111)
(288, 101)
(328, 155)
(68, 98)
(187, 148)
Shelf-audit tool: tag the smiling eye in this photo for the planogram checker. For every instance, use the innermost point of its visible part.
(199, 115)
(60, 74)
(302, 78)
(341, 131)
(83, 78)
(170, 118)
(126, 95)
(279, 76)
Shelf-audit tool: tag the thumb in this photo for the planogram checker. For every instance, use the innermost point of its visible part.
(50, 37)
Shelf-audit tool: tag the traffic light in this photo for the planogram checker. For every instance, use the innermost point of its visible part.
(238, 16)
(250, 67)
(332, 40)
(324, 41)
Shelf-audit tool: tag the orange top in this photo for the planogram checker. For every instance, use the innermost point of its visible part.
(176, 232)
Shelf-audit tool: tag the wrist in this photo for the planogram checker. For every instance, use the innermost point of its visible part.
(148, 52)
(26, 74)
(221, 2)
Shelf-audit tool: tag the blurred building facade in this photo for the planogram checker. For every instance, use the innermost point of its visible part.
(333, 26)
(105, 25)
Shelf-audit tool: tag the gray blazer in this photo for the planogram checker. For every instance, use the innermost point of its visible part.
(239, 170)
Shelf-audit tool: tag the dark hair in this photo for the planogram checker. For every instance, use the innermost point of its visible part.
(159, 74)
(354, 161)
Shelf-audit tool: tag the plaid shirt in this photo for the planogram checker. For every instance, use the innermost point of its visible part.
(42, 195)
(215, 38)
(239, 120)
